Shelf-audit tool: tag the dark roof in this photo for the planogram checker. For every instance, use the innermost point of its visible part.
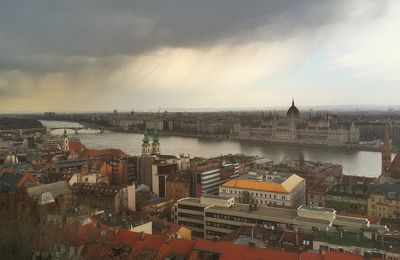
(91, 189)
(293, 111)
(391, 191)
(70, 163)
(8, 181)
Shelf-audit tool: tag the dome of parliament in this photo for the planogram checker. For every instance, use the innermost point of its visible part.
(293, 111)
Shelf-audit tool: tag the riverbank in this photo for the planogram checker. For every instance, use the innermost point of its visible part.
(349, 147)
(352, 147)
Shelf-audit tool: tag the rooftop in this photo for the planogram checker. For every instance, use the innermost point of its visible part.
(281, 186)
(56, 189)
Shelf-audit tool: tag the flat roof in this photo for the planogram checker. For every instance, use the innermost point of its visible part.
(319, 209)
(352, 220)
(263, 212)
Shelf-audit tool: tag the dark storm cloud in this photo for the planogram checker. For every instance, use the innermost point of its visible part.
(44, 36)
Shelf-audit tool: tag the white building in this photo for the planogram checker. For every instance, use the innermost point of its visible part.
(264, 188)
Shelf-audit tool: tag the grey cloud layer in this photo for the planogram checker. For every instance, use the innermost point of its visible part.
(30, 29)
(85, 40)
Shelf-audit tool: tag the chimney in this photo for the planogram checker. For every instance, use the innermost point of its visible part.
(142, 235)
(167, 238)
(252, 245)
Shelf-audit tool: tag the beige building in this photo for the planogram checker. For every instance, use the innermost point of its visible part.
(264, 188)
(384, 201)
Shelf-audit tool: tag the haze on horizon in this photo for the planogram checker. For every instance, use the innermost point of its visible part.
(101, 55)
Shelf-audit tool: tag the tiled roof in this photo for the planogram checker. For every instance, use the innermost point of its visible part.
(395, 166)
(104, 152)
(341, 256)
(76, 147)
(311, 256)
(285, 187)
(100, 242)
(231, 251)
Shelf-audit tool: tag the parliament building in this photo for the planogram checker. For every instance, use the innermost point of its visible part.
(322, 130)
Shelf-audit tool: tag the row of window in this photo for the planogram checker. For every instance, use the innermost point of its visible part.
(185, 215)
(221, 225)
(256, 194)
(190, 224)
(237, 219)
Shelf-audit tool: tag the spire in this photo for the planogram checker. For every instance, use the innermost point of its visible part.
(145, 144)
(145, 137)
(65, 133)
(155, 136)
(293, 102)
(386, 139)
(386, 152)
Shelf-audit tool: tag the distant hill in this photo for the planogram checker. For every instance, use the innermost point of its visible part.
(18, 123)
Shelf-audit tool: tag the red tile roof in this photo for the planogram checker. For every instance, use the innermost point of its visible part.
(311, 256)
(341, 256)
(230, 251)
(101, 242)
(76, 147)
(395, 166)
(116, 153)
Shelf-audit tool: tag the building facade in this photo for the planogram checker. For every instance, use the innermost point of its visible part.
(294, 129)
(264, 188)
(209, 175)
(384, 201)
(215, 218)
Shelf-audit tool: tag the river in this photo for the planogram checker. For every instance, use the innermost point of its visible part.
(362, 163)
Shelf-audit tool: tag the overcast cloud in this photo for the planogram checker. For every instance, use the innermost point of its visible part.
(99, 55)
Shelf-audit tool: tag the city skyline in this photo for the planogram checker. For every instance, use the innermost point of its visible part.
(97, 56)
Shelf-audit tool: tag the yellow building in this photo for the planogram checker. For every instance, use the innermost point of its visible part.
(384, 201)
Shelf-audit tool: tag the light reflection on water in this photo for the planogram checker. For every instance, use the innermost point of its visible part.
(354, 162)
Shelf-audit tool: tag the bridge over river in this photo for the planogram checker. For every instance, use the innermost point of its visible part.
(75, 128)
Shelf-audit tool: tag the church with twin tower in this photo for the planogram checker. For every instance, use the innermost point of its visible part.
(154, 148)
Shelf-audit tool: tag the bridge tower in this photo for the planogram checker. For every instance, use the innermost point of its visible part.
(65, 141)
(155, 146)
(145, 145)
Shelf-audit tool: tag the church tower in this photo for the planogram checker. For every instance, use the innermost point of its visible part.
(145, 145)
(65, 145)
(386, 152)
(155, 146)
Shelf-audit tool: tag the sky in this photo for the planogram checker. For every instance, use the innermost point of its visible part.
(100, 55)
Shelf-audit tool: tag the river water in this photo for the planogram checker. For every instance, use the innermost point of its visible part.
(362, 163)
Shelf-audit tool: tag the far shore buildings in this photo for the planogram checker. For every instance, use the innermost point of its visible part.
(322, 130)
